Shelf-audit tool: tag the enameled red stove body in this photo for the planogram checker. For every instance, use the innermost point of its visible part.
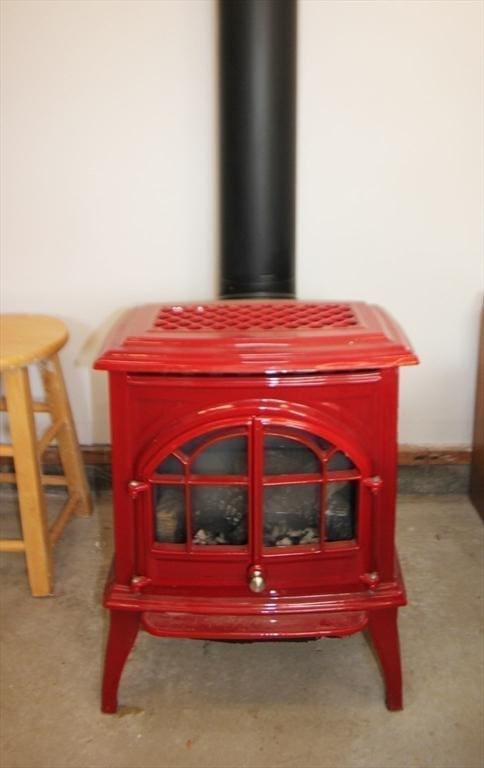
(254, 471)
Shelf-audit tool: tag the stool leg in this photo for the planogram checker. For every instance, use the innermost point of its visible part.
(38, 551)
(69, 450)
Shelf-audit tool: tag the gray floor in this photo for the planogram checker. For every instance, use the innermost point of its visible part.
(216, 705)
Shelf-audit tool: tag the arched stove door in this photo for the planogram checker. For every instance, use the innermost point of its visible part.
(258, 507)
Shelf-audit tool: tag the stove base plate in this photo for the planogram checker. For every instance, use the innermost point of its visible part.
(258, 627)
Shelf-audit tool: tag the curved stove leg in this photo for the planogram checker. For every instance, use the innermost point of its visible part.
(123, 629)
(383, 630)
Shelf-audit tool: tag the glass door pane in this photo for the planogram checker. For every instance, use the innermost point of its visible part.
(283, 456)
(169, 520)
(219, 515)
(340, 514)
(291, 498)
(222, 457)
(291, 514)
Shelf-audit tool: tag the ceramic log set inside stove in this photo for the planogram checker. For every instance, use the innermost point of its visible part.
(254, 440)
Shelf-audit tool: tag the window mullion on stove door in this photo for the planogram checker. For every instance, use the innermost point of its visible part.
(256, 473)
(188, 506)
(323, 503)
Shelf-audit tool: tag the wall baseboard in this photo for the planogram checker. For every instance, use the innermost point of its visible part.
(418, 456)
(421, 470)
(408, 455)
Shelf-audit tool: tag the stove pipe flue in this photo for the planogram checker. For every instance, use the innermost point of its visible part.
(257, 131)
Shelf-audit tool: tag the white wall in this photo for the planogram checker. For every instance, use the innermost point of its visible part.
(109, 184)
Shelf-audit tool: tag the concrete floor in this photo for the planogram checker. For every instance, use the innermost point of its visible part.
(216, 705)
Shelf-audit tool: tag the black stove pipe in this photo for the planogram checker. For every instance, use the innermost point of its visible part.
(257, 132)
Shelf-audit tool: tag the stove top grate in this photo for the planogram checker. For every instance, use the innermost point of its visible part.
(254, 316)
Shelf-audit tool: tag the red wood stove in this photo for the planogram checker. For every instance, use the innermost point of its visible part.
(254, 473)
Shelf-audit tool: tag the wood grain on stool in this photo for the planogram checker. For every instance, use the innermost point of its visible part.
(27, 340)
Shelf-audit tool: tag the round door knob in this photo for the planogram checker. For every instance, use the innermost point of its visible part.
(257, 582)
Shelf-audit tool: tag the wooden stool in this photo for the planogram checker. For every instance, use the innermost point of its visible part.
(24, 340)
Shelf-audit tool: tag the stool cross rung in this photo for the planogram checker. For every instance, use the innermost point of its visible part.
(43, 443)
(48, 436)
(64, 515)
(12, 545)
(8, 477)
(38, 406)
(11, 477)
(53, 480)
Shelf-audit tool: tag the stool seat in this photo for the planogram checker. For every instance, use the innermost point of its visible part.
(26, 339)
